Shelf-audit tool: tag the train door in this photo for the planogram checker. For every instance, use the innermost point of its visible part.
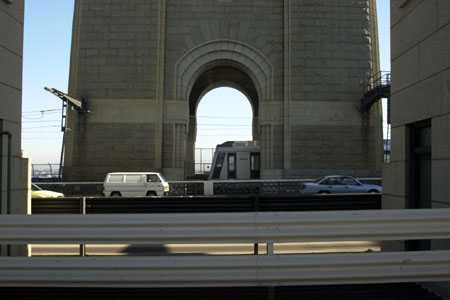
(243, 165)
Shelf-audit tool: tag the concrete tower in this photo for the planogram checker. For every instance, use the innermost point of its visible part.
(143, 66)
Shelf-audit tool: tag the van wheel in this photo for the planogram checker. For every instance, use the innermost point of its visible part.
(151, 193)
(116, 194)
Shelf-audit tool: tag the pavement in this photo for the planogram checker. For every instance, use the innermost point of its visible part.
(203, 249)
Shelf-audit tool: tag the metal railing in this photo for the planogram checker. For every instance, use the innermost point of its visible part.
(45, 172)
(376, 87)
(243, 270)
(382, 78)
(205, 204)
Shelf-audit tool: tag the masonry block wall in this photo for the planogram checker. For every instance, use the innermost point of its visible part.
(143, 64)
(420, 91)
(11, 48)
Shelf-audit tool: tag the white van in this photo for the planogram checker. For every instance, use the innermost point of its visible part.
(135, 184)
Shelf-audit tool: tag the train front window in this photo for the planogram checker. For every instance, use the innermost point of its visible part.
(218, 165)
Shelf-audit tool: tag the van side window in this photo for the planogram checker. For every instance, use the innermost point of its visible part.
(133, 178)
(153, 178)
(115, 178)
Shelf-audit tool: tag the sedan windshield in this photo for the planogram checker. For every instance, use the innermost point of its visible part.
(319, 179)
(35, 187)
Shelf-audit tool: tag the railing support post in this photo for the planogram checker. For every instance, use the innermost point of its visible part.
(83, 212)
(255, 248)
(271, 293)
(269, 248)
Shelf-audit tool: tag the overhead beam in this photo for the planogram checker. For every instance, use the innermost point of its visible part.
(79, 105)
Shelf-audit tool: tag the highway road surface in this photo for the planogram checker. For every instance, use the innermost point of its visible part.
(203, 249)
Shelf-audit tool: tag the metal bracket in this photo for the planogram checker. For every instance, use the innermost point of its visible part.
(80, 105)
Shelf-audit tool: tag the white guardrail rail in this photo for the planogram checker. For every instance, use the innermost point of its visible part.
(232, 270)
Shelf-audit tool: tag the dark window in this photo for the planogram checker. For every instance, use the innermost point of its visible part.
(255, 163)
(153, 178)
(419, 173)
(218, 164)
(419, 165)
(232, 165)
(332, 181)
(349, 181)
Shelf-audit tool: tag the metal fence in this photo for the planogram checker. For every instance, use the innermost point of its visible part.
(197, 188)
(49, 172)
(382, 78)
(203, 160)
(205, 204)
(45, 172)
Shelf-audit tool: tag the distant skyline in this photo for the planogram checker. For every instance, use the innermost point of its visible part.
(47, 42)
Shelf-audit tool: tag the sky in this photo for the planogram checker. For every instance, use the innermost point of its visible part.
(47, 42)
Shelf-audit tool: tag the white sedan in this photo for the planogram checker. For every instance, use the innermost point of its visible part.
(338, 185)
(37, 192)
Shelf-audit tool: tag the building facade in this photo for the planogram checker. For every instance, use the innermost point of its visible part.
(418, 175)
(13, 168)
(143, 66)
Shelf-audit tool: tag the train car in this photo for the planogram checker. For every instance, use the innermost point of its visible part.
(238, 160)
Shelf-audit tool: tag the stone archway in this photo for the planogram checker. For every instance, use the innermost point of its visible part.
(223, 53)
(219, 75)
(221, 63)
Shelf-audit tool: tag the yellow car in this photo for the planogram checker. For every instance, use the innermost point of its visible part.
(37, 192)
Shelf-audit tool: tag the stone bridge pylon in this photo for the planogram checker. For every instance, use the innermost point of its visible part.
(143, 67)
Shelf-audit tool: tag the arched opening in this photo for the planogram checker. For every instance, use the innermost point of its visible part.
(208, 84)
(223, 114)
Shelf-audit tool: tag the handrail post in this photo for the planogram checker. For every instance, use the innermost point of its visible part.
(256, 208)
(82, 251)
(271, 293)
(269, 248)
(255, 248)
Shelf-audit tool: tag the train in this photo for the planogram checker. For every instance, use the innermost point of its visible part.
(236, 160)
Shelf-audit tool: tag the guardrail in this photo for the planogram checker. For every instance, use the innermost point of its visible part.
(225, 227)
(192, 204)
(203, 271)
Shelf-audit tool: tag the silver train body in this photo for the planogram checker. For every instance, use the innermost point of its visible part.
(236, 160)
